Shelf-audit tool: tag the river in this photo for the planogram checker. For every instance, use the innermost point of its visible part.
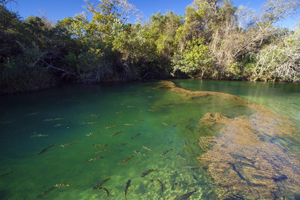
(183, 138)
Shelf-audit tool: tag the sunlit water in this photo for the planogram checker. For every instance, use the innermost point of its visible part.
(67, 114)
(284, 98)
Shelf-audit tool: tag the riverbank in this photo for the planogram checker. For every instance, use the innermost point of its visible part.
(26, 85)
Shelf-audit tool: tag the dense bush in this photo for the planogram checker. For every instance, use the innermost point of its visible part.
(212, 40)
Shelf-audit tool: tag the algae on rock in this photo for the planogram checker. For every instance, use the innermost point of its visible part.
(243, 154)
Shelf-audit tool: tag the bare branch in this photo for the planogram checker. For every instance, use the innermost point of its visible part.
(281, 59)
(128, 10)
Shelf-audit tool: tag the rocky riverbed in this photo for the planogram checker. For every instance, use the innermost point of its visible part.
(249, 156)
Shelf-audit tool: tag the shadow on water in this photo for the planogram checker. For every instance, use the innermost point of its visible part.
(4, 194)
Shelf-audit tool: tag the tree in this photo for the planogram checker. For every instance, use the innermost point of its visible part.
(9, 25)
(105, 14)
(165, 27)
(5, 2)
(200, 18)
(194, 59)
(281, 59)
(242, 32)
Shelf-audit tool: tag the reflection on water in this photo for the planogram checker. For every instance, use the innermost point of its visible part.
(284, 98)
(88, 141)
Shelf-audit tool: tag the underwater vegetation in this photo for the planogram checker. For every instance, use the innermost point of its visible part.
(183, 145)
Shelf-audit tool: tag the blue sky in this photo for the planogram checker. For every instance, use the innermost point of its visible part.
(59, 9)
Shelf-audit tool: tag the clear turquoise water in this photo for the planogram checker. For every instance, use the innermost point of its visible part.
(169, 121)
(284, 98)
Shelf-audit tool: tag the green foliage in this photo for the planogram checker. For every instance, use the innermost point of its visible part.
(206, 42)
(9, 31)
(16, 75)
(93, 65)
(165, 27)
(71, 59)
(194, 59)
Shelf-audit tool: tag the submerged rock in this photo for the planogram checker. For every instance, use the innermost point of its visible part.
(206, 142)
(247, 167)
(244, 154)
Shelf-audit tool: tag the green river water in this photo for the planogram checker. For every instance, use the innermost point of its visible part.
(33, 121)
